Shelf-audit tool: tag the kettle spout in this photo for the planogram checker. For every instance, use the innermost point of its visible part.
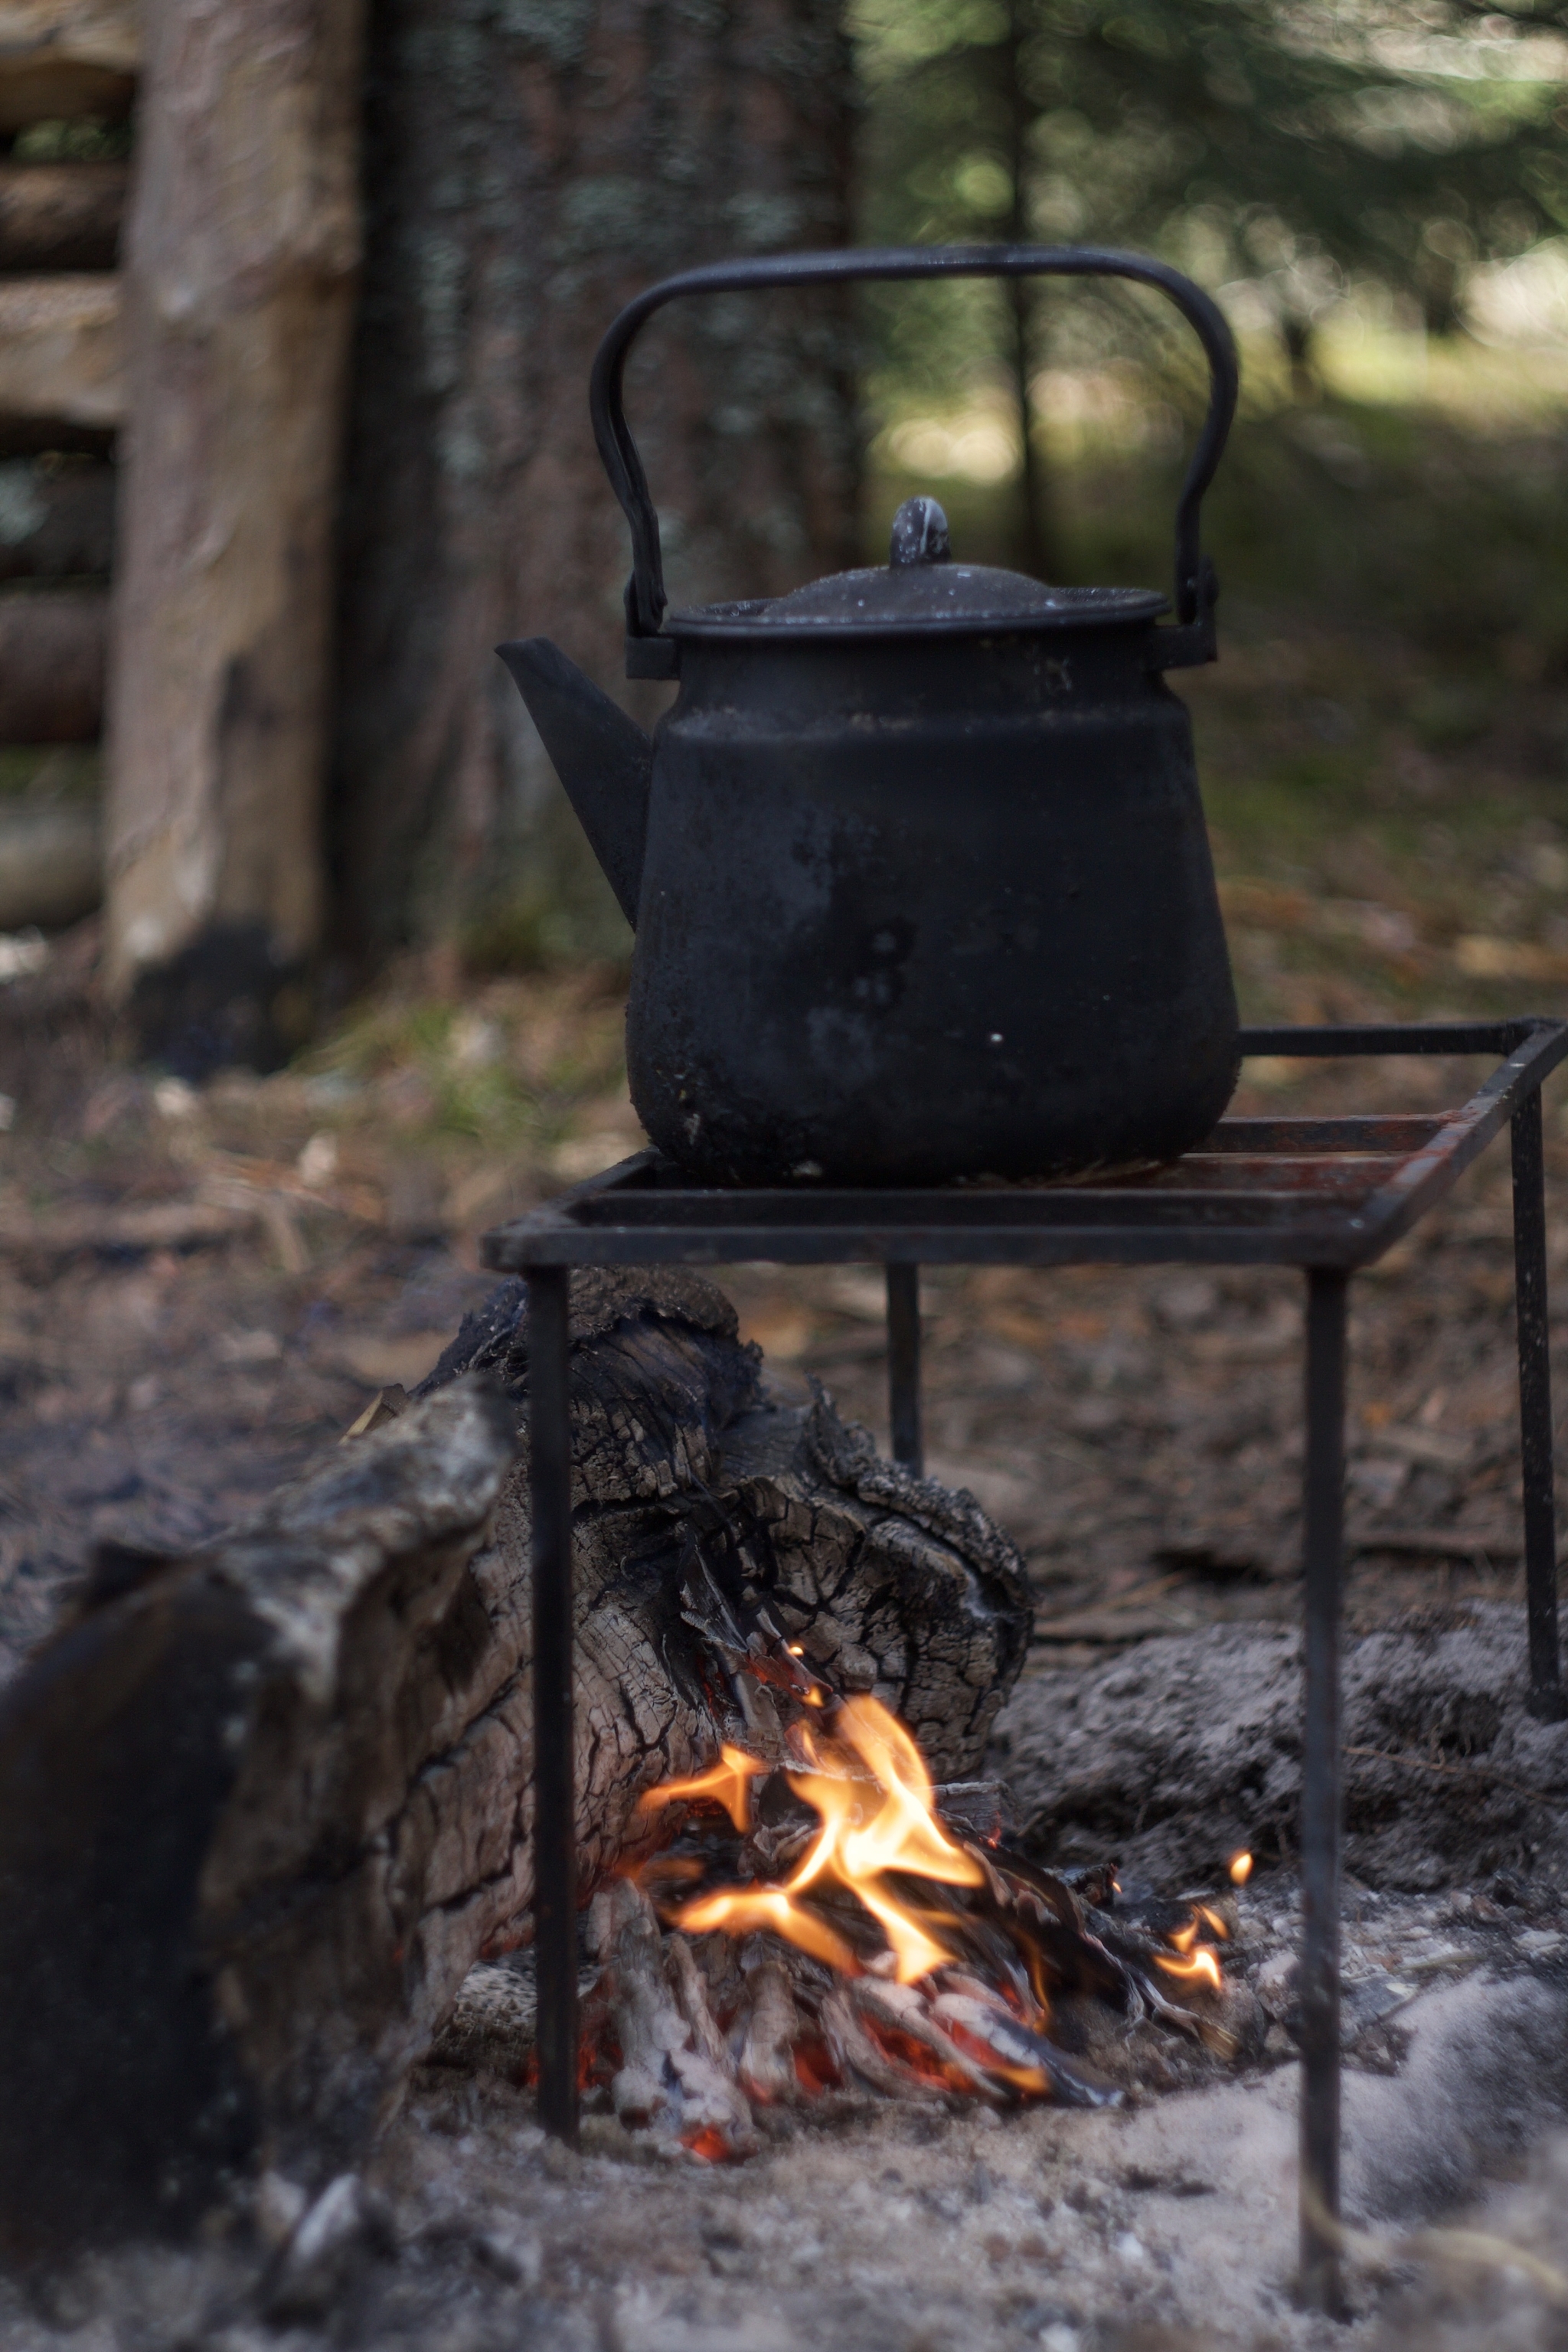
(602, 757)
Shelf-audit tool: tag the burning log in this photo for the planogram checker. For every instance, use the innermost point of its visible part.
(262, 1808)
(876, 1951)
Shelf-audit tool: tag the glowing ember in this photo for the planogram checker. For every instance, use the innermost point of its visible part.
(873, 1945)
(1240, 1868)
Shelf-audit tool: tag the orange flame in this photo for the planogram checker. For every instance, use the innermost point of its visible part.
(728, 1783)
(1240, 1868)
(1198, 1968)
(878, 1814)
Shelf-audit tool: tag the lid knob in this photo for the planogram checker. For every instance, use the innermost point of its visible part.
(920, 534)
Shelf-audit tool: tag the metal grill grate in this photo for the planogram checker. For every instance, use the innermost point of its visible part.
(1329, 1195)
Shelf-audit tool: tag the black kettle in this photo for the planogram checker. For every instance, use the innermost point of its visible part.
(916, 862)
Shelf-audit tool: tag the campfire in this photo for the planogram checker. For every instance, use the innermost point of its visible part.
(824, 1921)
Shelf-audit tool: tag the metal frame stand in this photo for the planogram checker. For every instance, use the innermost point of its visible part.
(1329, 1195)
(904, 1367)
(1323, 1501)
(1548, 1701)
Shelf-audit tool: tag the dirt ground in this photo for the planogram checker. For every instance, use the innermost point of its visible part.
(199, 1289)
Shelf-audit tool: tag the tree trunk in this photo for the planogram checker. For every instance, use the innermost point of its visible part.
(243, 246)
(528, 170)
(1032, 536)
(262, 1809)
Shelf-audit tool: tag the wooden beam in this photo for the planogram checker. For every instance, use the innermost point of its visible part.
(51, 874)
(53, 652)
(61, 215)
(242, 254)
(67, 58)
(61, 352)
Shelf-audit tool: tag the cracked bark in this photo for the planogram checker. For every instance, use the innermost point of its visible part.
(262, 1809)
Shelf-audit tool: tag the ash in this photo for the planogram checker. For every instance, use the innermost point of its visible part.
(871, 2225)
(882, 2226)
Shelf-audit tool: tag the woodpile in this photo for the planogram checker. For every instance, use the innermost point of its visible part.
(51, 857)
(62, 397)
(57, 521)
(58, 216)
(62, 358)
(51, 668)
(241, 260)
(262, 1808)
(61, 60)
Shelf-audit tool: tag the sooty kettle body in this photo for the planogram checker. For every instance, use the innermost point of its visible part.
(917, 861)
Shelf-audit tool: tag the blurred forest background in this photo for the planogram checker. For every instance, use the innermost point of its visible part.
(286, 537)
(298, 300)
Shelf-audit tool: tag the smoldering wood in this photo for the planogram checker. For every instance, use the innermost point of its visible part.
(52, 659)
(290, 1776)
(61, 215)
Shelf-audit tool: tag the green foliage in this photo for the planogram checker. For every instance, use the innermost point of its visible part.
(1295, 144)
(1343, 512)
(86, 139)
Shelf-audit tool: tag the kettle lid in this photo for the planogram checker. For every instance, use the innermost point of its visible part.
(920, 593)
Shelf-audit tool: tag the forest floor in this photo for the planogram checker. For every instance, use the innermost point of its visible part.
(199, 1288)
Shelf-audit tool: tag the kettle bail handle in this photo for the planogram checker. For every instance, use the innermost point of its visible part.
(646, 599)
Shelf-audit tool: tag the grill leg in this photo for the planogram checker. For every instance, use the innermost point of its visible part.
(904, 1366)
(1547, 1699)
(554, 1797)
(1321, 1792)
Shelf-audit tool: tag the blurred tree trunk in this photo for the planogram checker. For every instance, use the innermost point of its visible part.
(528, 169)
(243, 246)
(1032, 531)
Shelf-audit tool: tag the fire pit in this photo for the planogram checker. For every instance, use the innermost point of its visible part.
(1329, 1195)
(878, 1934)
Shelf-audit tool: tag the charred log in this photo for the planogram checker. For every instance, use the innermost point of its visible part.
(262, 1808)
